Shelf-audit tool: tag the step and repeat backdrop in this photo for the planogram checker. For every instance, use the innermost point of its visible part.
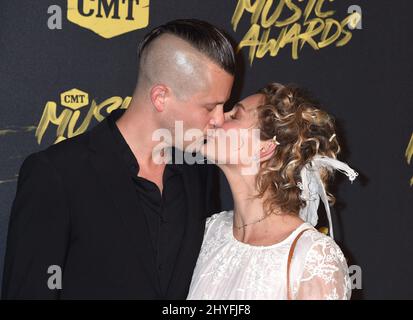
(65, 65)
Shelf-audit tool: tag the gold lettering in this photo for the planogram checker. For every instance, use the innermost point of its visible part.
(266, 15)
(245, 5)
(67, 120)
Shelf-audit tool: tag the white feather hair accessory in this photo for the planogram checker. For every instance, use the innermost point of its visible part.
(312, 187)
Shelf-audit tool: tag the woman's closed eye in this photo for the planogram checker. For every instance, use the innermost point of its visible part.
(234, 113)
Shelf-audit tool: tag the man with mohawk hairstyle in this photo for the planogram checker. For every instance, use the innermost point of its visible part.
(117, 224)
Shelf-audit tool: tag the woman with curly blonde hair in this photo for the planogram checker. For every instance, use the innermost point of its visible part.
(267, 247)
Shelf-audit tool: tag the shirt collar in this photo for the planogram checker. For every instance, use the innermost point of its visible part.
(127, 154)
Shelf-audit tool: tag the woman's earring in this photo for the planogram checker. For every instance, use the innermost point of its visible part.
(274, 139)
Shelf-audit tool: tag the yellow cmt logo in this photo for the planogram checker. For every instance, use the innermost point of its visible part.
(74, 99)
(76, 113)
(109, 18)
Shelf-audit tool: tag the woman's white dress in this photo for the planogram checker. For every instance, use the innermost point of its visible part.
(230, 269)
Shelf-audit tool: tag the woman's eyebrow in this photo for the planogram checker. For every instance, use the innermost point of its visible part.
(240, 105)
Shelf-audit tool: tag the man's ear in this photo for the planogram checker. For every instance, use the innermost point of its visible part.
(267, 150)
(158, 95)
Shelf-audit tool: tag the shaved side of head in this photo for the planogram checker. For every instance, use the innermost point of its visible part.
(173, 62)
(181, 54)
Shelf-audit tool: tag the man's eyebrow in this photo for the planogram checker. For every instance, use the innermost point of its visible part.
(215, 103)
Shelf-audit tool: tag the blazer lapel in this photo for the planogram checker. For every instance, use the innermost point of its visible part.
(193, 236)
(119, 189)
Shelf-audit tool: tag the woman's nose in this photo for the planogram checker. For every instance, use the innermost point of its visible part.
(227, 115)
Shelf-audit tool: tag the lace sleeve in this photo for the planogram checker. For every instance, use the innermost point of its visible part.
(325, 275)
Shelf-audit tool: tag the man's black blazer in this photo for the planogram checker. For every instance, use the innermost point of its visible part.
(75, 207)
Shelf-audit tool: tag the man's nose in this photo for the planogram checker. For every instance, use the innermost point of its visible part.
(217, 119)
